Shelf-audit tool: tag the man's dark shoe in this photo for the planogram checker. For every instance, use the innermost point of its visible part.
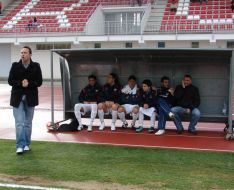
(125, 125)
(192, 132)
(180, 131)
(133, 126)
(151, 130)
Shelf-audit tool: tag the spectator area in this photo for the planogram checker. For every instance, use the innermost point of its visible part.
(53, 16)
(72, 15)
(214, 15)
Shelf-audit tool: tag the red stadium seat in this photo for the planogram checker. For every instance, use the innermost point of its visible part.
(82, 12)
(207, 12)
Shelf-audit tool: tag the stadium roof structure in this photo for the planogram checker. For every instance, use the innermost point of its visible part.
(140, 38)
(78, 21)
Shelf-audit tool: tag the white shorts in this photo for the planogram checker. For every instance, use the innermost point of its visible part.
(129, 107)
(148, 111)
(87, 108)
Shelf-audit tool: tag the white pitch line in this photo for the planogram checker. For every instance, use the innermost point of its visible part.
(28, 187)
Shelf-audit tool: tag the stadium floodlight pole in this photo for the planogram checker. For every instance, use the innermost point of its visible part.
(52, 86)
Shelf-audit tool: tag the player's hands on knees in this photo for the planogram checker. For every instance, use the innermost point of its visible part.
(109, 104)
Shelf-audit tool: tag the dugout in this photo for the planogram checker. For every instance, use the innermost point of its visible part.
(211, 69)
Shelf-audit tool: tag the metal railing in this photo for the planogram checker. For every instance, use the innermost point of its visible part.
(128, 27)
(181, 27)
(122, 28)
(123, 2)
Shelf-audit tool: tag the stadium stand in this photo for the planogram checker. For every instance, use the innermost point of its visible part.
(54, 16)
(214, 15)
(72, 15)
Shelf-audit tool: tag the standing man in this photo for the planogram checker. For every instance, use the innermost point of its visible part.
(25, 77)
(187, 100)
(165, 102)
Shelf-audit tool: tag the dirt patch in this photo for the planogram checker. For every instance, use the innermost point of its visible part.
(88, 185)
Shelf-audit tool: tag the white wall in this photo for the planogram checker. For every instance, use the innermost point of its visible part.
(5, 60)
(221, 44)
(10, 53)
(42, 57)
(95, 25)
(154, 44)
(5, 3)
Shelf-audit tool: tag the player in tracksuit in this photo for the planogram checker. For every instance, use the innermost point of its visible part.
(165, 101)
(147, 105)
(129, 102)
(111, 98)
(89, 97)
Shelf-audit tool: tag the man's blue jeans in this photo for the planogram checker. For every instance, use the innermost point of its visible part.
(23, 123)
(194, 117)
(163, 111)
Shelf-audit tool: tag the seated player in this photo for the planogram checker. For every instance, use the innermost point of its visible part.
(147, 105)
(129, 102)
(111, 96)
(89, 97)
(187, 100)
(165, 102)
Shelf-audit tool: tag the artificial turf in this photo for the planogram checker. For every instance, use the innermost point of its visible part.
(145, 167)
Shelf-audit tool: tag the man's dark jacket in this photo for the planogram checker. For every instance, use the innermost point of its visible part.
(187, 97)
(91, 94)
(112, 93)
(17, 74)
(147, 98)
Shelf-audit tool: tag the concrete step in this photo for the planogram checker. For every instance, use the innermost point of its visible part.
(153, 24)
(157, 14)
(161, 3)
(10, 7)
(159, 6)
(155, 18)
(157, 11)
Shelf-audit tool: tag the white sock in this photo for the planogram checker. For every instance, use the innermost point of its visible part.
(114, 116)
(141, 119)
(101, 115)
(93, 113)
(122, 117)
(134, 117)
(152, 119)
(77, 113)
